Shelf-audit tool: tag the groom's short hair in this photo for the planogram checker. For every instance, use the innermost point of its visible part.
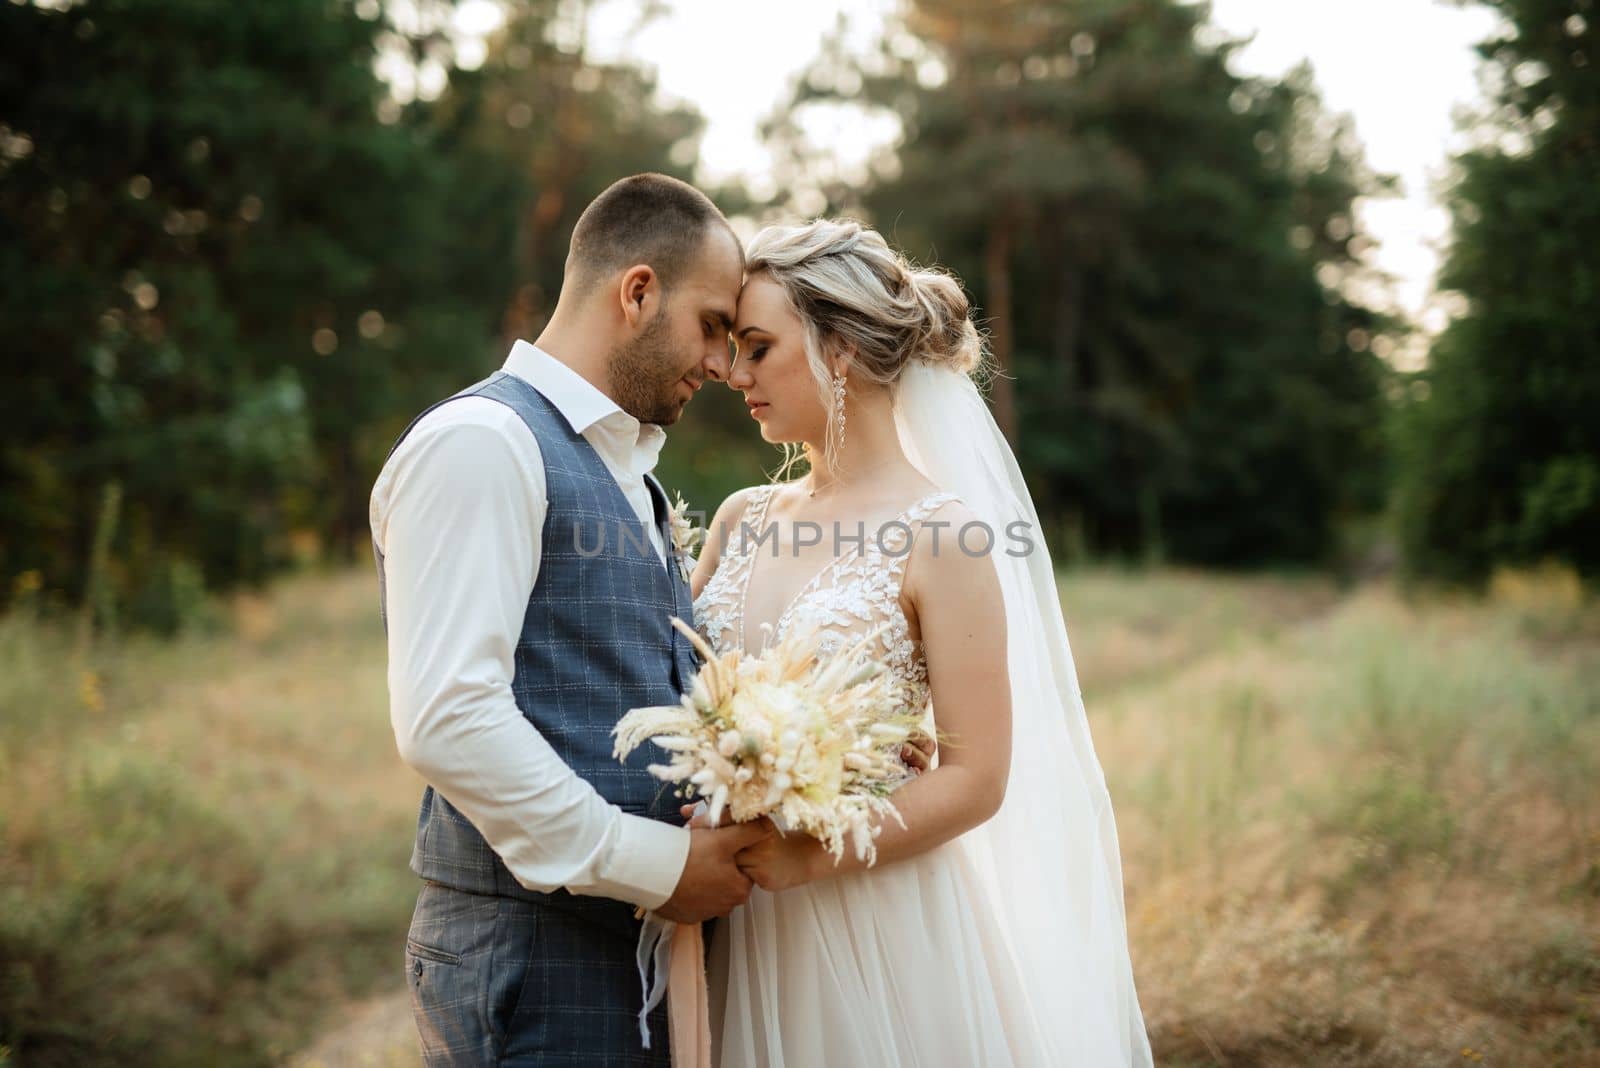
(653, 219)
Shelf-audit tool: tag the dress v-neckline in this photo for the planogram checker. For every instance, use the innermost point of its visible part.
(749, 571)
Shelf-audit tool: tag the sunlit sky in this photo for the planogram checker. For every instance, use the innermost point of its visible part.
(1398, 67)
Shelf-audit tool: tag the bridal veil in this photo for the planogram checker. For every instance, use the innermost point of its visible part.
(1049, 859)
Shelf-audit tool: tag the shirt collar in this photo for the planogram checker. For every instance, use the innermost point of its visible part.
(583, 405)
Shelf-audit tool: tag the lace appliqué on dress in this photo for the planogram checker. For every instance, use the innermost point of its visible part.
(851, 595)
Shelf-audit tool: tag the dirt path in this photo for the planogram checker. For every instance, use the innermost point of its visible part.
(378, 1033)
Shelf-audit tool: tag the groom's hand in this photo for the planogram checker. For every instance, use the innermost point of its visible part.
(712, 884)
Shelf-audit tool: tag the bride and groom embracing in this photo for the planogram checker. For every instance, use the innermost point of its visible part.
(521, 627)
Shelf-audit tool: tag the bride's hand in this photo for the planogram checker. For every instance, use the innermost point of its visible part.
(917, 753)
(781, 862)
(777, 862)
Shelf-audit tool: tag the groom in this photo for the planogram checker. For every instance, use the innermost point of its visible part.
(527, 573)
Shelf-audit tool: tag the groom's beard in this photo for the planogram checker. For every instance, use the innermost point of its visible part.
(642, 375)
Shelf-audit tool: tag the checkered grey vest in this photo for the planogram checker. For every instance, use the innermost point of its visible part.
(595, 641)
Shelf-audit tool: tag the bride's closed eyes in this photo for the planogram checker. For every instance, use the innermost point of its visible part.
(749, 348)
(756, 348)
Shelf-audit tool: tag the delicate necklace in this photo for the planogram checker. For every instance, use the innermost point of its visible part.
(813, 491)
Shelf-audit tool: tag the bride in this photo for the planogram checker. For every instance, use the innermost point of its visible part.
(991, 929)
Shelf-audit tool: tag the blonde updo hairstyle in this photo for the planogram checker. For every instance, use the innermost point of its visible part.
(856, 295)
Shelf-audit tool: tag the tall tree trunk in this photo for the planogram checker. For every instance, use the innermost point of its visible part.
(349, 492)
(1069, 324)
(532, 304)
(997, 267)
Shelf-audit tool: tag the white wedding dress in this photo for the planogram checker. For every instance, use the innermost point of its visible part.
(903, 964)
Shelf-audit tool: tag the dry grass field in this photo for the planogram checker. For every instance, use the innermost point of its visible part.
(1357, 829)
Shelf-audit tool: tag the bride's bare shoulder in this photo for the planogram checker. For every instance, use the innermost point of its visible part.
(735, 506)
(724, 525)
(949, 536)
(948, 570)
(947, 527)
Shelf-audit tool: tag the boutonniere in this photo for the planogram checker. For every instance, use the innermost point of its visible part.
(686, 537)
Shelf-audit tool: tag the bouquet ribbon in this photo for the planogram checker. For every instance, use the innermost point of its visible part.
(678, 953)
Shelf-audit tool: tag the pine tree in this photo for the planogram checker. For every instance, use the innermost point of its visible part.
(233, 266)
(1144, 231)
(1500, 443)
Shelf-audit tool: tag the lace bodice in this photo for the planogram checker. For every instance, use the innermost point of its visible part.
(853, 593)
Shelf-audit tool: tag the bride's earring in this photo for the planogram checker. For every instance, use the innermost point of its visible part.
(838, 409)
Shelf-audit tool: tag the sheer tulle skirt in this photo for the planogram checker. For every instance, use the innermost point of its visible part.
(900, 965)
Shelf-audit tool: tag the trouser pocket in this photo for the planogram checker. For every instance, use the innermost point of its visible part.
(448, 954)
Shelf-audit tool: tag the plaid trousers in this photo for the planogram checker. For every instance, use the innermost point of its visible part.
(501, 981)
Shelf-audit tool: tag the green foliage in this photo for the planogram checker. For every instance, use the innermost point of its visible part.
(571, 127)
(232, 269)
(1144, 232)
(1499, 447)
(186, 201)
(565, 128)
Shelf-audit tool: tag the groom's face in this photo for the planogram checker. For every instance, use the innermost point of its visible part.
(655, 373)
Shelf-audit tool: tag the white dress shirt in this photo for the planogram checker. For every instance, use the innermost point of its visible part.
(458, 513)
